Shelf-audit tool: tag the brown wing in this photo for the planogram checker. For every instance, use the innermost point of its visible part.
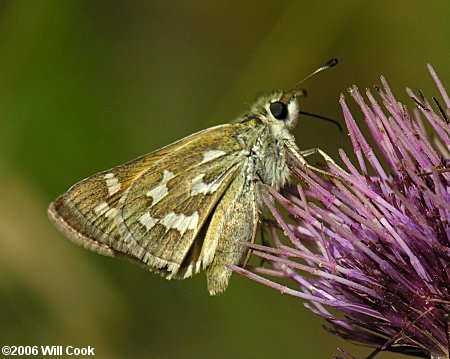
(153, 208)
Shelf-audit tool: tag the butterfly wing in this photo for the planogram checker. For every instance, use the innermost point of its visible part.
(235, 220)
(155, 209)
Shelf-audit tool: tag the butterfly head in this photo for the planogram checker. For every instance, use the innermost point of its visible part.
(280, 109)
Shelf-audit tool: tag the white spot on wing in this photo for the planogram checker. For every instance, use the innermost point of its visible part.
(147, 221)
(101, 208)
(180, 222)
(212, 154)
(161, 190)
(167, 175)
(198, 186)
(112, 183)
(111, 213)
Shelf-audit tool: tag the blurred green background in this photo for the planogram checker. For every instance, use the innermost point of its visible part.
(87, 85)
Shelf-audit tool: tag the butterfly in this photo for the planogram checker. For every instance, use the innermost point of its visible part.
(191, 205)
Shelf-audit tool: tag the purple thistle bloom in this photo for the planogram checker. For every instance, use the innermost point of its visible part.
(371, 244)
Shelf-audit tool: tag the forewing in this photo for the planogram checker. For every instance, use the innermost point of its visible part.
(152, 208)
(163, 220)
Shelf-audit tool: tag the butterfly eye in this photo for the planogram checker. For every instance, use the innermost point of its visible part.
(279, 110)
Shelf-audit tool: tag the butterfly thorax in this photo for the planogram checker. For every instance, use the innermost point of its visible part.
(268, 152)
(267, 157)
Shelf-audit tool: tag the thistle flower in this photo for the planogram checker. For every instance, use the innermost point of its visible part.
(369, 248)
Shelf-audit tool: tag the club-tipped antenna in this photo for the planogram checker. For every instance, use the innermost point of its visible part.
(329, 64)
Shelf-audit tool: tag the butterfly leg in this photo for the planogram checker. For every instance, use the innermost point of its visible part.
(316, 150)
(301, 155)
(264, 241)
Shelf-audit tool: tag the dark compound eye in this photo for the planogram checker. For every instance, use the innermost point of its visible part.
(279, 110)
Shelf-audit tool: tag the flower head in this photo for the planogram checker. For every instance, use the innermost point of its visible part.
(369, 248)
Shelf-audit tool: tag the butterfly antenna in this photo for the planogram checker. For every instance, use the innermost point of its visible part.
(329, 64)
